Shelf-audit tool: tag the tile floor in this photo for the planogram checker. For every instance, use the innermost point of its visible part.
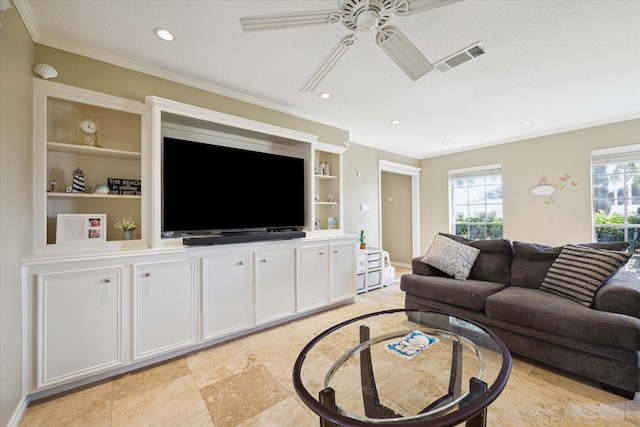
(247, 382)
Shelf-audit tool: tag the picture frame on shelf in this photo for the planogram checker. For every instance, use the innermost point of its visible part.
(78, 228)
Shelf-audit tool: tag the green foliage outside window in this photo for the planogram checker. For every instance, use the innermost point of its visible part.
(481, 227)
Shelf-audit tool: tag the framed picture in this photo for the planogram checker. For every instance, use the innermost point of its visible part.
(74, 228)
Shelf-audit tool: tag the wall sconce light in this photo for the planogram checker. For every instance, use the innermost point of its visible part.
(543, 189)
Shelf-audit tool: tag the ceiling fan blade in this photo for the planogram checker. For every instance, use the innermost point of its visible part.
(290, 20)
(404, 53)
(332, 58)
(409, 7)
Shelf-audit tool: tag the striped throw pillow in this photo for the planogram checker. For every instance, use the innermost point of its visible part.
(579, 271)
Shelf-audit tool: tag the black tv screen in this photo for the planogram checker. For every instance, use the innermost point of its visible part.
(210, 188)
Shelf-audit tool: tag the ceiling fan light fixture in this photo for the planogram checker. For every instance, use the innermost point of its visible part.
(367, 21)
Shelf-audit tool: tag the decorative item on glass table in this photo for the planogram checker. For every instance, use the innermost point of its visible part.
(363, 245)
(127, 225)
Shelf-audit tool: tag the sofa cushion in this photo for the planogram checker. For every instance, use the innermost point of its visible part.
(531, 261)
(469, 293)
(544, 311)
(451, 257)
(578, 272)
(619, 294)
(494, 261)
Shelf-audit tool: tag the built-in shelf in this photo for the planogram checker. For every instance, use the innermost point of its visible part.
(83, 195)
(318, 176)
(88, 150)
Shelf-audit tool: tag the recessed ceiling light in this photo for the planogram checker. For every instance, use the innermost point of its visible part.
(395, 122)
(444, 141)
(325, 95)
(527, 122)
(164, 34)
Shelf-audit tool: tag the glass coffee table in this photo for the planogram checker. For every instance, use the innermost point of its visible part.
(402, 367)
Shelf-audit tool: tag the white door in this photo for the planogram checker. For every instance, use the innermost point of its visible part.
(164, 307)
(274, 285)
(312, 289)
(343, 271)
(227, 298)
(80, 323)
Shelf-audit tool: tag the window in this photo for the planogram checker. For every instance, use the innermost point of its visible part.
(476, 202)
(615, 186)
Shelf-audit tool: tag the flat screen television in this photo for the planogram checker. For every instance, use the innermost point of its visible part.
(211, 189)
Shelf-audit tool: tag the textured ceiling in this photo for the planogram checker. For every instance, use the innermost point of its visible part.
(562, 64)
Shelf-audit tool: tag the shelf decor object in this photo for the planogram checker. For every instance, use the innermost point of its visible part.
(75, 228)
(543, 189)
(88, 132)
(127, 225)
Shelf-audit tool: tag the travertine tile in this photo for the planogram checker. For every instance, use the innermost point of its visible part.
(220, 362)
(87, 407)
(175, 403)
(242, 396)
(289, 412)
(136, 382)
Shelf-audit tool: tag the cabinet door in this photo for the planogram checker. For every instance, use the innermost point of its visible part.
(343, 271)
(80, 323)
(226, 294)
(274, 285)
(164, 307)
(313, 278)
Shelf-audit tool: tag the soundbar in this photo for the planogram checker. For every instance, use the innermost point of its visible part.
(225, 239)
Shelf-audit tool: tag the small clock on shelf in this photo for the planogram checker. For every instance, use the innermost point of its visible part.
(88, 132)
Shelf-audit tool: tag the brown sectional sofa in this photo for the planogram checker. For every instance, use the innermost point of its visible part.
(502, 292)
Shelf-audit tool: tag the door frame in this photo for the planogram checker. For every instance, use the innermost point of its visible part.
(414, 173)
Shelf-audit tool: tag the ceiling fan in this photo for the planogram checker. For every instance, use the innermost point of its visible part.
(359, 16)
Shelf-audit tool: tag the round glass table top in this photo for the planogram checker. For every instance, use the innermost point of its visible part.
(401, 367)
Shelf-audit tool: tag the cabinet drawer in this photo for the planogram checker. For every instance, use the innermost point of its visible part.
(373, 279)
(361, 263)
(375, 256)
(360, 283)
(373, 264)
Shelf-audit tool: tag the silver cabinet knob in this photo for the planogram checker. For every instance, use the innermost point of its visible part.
(147, 274)
(107, 280)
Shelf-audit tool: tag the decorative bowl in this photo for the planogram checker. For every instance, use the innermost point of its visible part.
(101, 189)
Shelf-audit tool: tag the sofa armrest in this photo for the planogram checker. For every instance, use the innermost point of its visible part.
(419, 267)
(620, 294)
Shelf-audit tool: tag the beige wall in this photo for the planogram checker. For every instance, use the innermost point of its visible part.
(361, 186)
(396, 216)
(83, 72)
(16, 105)
(524, 164)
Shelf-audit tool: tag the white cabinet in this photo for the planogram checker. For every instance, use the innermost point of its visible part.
(80, 323)
(313, 277)
(227, 299)
(165, 315)
(59, 155)
(274, 284)
(343, 271)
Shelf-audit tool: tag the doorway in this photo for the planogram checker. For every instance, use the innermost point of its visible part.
(399, 211)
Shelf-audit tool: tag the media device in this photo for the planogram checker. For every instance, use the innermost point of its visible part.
(210, 190)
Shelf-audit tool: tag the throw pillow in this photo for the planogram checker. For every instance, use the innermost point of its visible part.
(579, 271)
(451, 257)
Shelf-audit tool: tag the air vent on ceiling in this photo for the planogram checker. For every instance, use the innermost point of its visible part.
(461, 57)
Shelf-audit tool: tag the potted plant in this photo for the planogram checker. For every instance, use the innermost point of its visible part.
(127, 225)
(363, 245)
